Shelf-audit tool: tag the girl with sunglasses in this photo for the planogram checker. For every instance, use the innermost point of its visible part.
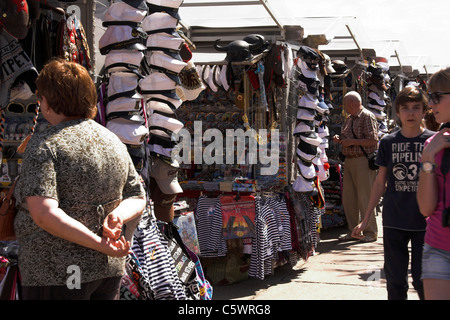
(434, 193)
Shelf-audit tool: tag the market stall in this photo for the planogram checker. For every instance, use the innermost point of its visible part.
(230, 129)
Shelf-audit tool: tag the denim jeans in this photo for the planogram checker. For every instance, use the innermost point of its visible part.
(396, 261)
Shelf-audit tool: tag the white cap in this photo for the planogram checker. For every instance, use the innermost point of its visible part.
(156, 105)
(302, 127)
(158, 83)
(306, 114)
(159, 21)
(121, 11)
(123, 84)
(223, 77)
(176, 103)
(305, 70)
(323, 131)
(163, 62)
(121, 37)
(301, 185)
(119, 60)
(158, 120)
(311, 138)
(307, 171)
(156, 148)
(162, 41)
(375, 96)
(308, 101)
(375, 106)
(211, 79)
(123, 104)
(129, 132)
(328, 64)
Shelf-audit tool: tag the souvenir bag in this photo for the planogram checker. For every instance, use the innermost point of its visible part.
(206, 290)
(183, 263)
(8, 212)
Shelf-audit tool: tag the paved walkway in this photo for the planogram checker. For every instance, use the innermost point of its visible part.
(338, 271)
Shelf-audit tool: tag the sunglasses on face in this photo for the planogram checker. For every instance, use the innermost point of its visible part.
(436, 96)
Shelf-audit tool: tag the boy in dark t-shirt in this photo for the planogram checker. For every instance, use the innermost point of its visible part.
(397, 179)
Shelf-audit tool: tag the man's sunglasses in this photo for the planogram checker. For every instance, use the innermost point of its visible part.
(436, 96)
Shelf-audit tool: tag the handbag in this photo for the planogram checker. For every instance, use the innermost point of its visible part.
(8, 212)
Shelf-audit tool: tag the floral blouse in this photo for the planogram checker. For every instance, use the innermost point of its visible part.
(87, 169)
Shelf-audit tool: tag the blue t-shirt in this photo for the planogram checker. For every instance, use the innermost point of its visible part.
(401, 157)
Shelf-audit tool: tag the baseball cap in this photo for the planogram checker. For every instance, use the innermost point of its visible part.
(159, 120)
(123, 104)
(323, 131)
(162, 203)
(166, 176)
(308, 101)
(159, 105)
(169, 44)
(302, 185)
(372, 105)
(306, 71)
(123, 60)
(322, 107)
(311, 138)
(307, 170)
(129, 132)
(123, 84)
(158, 83)
(169, 6)
(305, 155)
(328, 65)
(306, 114)
(308, 55)
(163, 62)
(303, 126)
(309, 84)
(159, 22)
(122, 37)
(122, 11)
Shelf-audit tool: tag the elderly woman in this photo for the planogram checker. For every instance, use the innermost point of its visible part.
(77, 190)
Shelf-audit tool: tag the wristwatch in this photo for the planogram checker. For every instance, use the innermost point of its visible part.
(427, 167)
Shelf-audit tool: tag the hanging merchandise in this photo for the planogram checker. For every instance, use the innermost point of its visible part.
(312, 116)
(377, 85)
(14, 18)
(238, 216)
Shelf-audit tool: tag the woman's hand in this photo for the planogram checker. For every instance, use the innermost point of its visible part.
(440, 141)
(112, 226)
(115, 248)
